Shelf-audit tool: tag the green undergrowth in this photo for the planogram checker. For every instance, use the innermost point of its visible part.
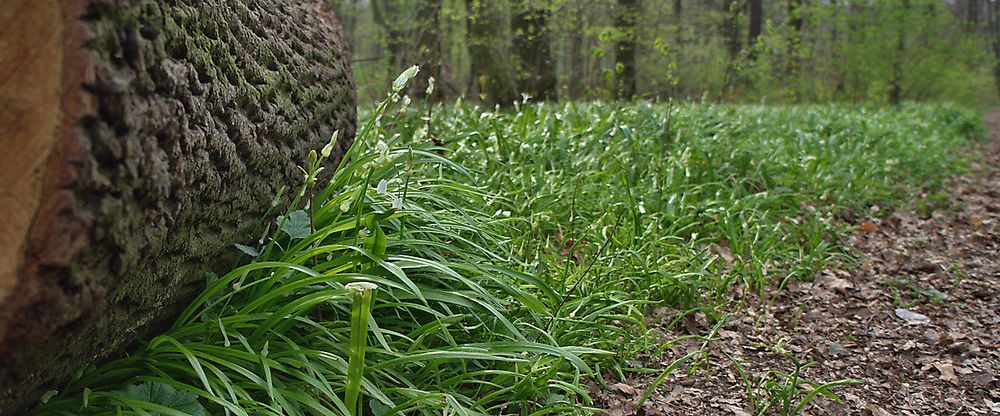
(507, 257)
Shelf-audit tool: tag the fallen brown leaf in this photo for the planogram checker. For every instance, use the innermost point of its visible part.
(947, 371)
(868, 227)
(624, 389)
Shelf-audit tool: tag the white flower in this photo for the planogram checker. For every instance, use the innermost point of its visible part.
(360, 286)
(405, 77)
(329, 146)
(381, 188)
(397, 203)
(430, 85)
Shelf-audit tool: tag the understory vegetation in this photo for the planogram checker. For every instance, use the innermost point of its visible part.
(466, 261)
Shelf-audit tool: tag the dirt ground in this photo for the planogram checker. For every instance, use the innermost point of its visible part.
(917, 320)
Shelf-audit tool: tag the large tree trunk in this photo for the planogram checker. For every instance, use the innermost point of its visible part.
(626, 15)
(141, 139)
(536, 73)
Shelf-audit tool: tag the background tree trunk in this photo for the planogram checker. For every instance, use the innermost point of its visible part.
(626, 15)
(141, 140)
(489, 70)
(896, 75)
(536, 73)
(428, 51)
(578, 61)
(387, 17)
(993, 37)
(731, 27)
(754, 26)
(795, 24)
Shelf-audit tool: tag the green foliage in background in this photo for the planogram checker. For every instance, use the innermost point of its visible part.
(851, 51)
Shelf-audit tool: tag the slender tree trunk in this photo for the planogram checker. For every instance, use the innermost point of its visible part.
(972, 8)
(536, 73)
(141, 140)
(896, 75)
(993, 34)
(626, 15)
(427, 53)
(754, 25)
(795, 24)
(488, 53)
(731, 27)
(578, 62)
(395, 43)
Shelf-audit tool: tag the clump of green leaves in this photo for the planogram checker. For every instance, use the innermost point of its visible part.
(450, 329)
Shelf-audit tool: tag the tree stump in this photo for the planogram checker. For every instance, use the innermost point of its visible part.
(140, 140)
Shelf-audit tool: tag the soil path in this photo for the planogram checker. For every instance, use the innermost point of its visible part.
(918, 320)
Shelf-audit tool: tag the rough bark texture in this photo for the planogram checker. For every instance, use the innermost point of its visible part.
(141, 139)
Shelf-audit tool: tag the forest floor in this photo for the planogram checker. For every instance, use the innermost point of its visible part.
(917, 319)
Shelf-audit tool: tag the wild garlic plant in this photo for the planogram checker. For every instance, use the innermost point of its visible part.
(301, 330)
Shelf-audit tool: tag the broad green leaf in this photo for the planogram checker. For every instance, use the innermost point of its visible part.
(296, 224)
(165, 395)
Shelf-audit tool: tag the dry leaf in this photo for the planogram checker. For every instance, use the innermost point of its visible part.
(726, 253)
(947, 371)
(868, 227)
(877, 411)
(624, 389)
(911, 316)
(837, 284)
(737, 411)
(983, 380)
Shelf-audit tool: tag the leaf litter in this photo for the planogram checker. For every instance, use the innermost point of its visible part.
(930, 346)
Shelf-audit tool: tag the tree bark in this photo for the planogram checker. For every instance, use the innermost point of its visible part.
(577, 59)
(536, 73)
(142, 139)
(387, 17)
(489, 55)
(993, 35)
(731, 27)
(428, 50)
(754, 26)
(896, 69)
(795, 25)
(626, 15)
